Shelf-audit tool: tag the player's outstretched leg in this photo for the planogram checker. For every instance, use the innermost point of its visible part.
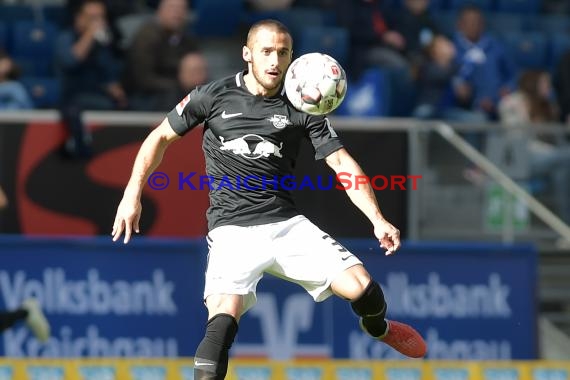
(212, 355)
(371, 307)
(36, 320)
(10, 318)
(31, 313)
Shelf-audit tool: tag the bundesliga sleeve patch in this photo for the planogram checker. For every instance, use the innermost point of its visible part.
(329, 126)
(182, 104)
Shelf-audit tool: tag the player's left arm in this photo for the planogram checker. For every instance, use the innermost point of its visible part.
(364, 198)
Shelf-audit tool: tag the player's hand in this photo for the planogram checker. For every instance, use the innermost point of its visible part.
(388, 236)
(118, 94)
(127, 219)
(394, 39)
(463, 91)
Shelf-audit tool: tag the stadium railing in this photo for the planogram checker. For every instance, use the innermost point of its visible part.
(468, 172)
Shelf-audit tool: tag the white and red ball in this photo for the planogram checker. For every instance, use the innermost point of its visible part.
(315, 83)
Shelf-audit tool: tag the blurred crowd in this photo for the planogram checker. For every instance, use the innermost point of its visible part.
(463, 74)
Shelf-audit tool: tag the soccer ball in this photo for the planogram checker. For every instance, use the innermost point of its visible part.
(315, 83)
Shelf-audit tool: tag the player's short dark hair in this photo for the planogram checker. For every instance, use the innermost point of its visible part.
(267, 23)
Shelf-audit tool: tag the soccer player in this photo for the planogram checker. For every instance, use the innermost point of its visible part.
(250, 128)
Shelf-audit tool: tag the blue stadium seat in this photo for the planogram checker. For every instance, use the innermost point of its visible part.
(446, 21)
(559, 45)
(32, 46)
(34, 67)
(403, 92)
(3, 36)
(296, 19)
(367, 97)
(13, 13)
(218, 18)
(520, 6)
(485, 5)
(56, 14)
(550, 23)
(45, 92)
(434, 5)
(333, 41)
(33, 40)
(504, 23)
(529, 49)
(437, 5)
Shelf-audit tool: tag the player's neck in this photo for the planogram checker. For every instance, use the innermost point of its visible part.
(255, 88)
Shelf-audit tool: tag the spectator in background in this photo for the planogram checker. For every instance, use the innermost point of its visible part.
(562, 83)
(89, 73)
(555, 6)
(373, 42)
(532, 102)
(417, 28)
(154, 56)
(13, 94)
(269, 5)
(3, 199)
(192, 72)
(436, 74)
(486, 73)
(113, 10)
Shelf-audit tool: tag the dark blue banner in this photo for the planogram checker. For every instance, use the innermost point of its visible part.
(138, 300)
(144, 299)
(469, 301)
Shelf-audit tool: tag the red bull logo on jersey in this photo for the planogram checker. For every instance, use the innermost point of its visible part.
(251, 146)
(279, 121)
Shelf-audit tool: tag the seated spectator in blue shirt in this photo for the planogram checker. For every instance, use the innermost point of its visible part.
(487, 74)
(89, 73)
(13, 94)
(437, 73)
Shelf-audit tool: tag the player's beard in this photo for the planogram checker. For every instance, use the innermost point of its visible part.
(265, 80)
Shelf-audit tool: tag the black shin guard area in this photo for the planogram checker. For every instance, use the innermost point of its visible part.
(371, 306)
(211, 359)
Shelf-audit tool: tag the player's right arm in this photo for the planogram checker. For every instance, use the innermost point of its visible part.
(148, 158)
(189, 113)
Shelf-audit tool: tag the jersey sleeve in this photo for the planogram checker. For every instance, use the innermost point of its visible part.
(191, 111)
(323, 137)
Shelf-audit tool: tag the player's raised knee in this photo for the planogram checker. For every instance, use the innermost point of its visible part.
(371, 302)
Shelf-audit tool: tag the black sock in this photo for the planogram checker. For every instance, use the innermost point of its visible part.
(375, 325)
(212, 356)
(371, 307)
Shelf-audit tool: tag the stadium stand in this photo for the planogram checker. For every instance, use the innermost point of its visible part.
(333, 41)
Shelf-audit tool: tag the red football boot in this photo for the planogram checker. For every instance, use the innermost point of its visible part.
(405, 340)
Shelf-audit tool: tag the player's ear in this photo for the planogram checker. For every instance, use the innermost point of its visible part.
(246, 54)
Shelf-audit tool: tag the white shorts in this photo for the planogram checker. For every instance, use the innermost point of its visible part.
(295, 250)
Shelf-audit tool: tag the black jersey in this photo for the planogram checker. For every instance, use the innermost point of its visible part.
(250, 142)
